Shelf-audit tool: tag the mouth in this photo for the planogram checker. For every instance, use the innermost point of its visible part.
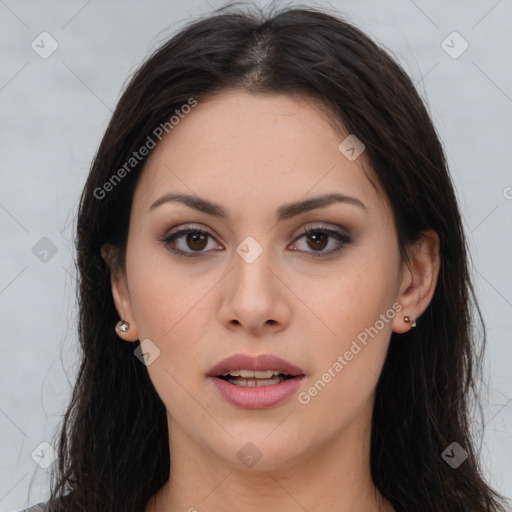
(259, 382)
(254, 379)
(251, 371)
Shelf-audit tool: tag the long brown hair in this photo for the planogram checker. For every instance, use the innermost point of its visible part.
(113, 450)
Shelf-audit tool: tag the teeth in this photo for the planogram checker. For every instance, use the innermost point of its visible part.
(247, 374)
(250, 374)
(254, 383)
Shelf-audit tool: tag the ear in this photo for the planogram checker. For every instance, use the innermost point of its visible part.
(120, 293)
(419, 279)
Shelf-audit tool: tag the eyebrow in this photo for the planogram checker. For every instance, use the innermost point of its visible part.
(284, 212)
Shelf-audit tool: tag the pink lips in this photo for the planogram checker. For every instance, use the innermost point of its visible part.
(260, 397)
(255, 363)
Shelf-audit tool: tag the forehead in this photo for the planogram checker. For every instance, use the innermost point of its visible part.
(255, 149)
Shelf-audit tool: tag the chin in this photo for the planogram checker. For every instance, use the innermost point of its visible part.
(258, 452)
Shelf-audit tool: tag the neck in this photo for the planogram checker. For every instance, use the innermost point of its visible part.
(332, 476)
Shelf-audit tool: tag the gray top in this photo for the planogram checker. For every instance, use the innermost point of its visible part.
(35, 508)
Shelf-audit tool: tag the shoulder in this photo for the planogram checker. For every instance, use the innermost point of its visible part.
(35, 508)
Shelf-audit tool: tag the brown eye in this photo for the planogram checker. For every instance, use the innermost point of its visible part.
(188, 241)
(196, 241)
(318, 238)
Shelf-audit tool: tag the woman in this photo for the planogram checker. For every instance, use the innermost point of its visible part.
(275, 305)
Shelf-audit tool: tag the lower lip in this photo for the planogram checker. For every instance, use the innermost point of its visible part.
(261, 397)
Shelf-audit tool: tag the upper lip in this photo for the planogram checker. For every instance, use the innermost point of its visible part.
(260, 362)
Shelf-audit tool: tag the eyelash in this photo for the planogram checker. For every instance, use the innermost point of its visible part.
(343, 238)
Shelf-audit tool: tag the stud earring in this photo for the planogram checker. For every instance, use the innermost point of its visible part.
(123, 325)
(407, 320)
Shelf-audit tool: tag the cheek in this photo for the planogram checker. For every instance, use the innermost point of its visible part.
(356, 303)
(170, 310)
(352, 295)
(164, 297)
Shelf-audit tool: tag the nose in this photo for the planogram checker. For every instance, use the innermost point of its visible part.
(255, 297)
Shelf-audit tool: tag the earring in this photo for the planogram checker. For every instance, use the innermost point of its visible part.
(123, 325)
(407, 320)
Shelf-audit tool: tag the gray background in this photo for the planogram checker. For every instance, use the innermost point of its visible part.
(54, 112)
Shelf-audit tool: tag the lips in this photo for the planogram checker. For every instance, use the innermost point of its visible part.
(256, 393)
(261, 362)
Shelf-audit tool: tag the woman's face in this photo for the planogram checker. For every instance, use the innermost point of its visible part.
(326, 302)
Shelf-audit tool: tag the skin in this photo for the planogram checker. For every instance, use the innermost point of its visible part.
(252, 154)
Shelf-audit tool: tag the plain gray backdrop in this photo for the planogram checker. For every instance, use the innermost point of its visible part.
(56, 106)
